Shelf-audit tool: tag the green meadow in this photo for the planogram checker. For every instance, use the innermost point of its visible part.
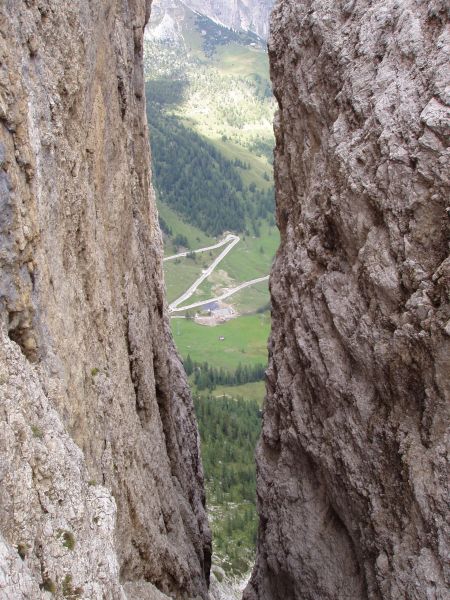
(210, 111)
(253, 391)
(252, 299)
(245, 341)
(196, 237)
(253, 256)
(181, 273)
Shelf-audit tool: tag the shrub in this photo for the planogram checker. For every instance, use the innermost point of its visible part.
(37, 432)
(22, 549)
(68, 539)
(48, 585)
(68, 590)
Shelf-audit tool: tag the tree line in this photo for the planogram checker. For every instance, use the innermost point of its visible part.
(207, 377)
(193, 177)
(229, 430)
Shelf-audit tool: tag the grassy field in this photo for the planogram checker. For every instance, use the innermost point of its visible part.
(245, 341)
(196, 237)
(235, 59)
(181, 273)
(253, 256)
(248, 391)
(180, 276)
(252, 298)
(213, 286)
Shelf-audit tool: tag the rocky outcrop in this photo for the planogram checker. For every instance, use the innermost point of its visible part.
(101, 486)
(353, 458)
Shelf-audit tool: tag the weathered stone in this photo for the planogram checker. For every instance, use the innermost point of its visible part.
(82, 294)
(353, 458)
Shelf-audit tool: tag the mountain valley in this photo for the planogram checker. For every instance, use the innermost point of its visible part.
(177, 300)
(210, 110)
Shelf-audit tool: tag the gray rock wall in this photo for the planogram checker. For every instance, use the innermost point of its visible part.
(353, 459)
(94, 404)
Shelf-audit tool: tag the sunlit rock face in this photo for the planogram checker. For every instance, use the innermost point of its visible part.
(353, 458)
(101, 485)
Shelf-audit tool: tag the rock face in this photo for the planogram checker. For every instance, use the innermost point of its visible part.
(353, 458)
(101, 485)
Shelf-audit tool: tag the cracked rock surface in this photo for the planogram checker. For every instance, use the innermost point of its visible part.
(353, 458)
(101, 484)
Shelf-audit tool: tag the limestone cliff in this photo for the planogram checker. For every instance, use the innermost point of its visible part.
(353, 459)
(101, 485)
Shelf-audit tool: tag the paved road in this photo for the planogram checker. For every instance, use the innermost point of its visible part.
(233, 240)
(221, 297)
(229, 238)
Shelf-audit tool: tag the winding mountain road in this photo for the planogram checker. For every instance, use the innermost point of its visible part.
(233, 240)
(221, 297)
(227, 239)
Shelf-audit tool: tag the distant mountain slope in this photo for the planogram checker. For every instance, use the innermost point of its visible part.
(195, 179)
(192, 177)
(210, 110)
(244, 15)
